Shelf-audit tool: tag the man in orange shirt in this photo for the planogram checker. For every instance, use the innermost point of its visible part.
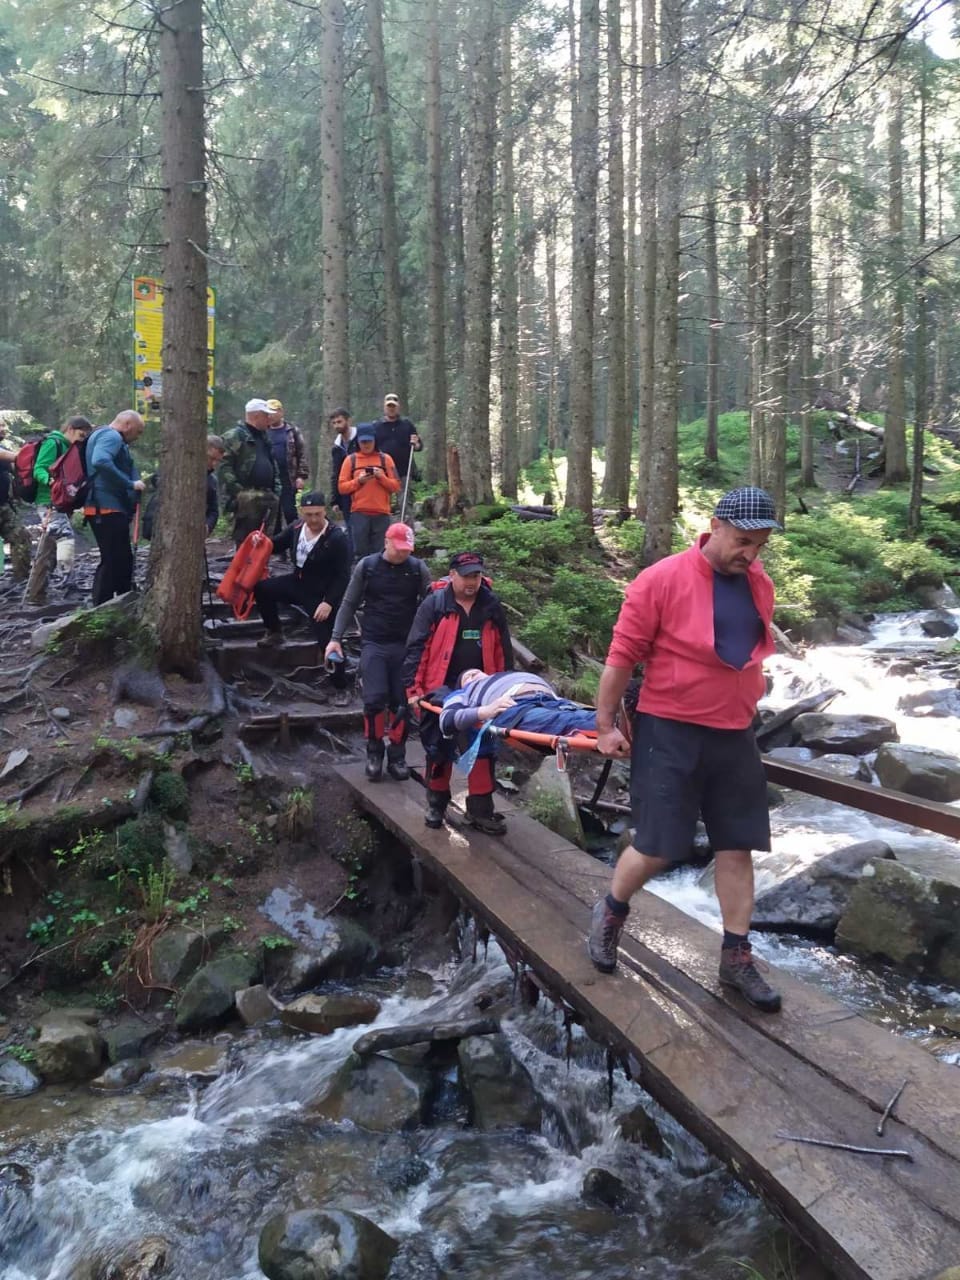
(370, 478)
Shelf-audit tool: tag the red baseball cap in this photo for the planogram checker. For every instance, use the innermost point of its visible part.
(402, 535)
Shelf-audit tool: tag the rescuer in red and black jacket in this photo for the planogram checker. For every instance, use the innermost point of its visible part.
(459, 626)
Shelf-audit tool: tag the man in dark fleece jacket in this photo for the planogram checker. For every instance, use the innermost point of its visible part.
(321, 560)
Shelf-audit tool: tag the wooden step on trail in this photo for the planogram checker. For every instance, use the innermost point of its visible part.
(232, 657)
(735, 1077)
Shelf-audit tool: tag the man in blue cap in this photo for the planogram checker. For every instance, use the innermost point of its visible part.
(369, 478)
(699, 621)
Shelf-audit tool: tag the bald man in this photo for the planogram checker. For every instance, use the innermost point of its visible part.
(112, 496)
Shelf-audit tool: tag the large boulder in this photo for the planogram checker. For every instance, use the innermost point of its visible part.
(939, 624)
(210, 995)
(326, 948)
(500, 1089)
(17, 1079)
(324, 1244)
(902, 916)
(846, 735)
(68, 1050)
(176, 955)
(131, 1038)
(379, 1095)
(813, 901)
(322, 1015)
(919, 771)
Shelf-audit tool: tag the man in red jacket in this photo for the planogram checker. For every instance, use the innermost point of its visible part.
(700, 622)
(460, 625)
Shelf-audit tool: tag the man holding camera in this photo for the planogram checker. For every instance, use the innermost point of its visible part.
(369, 477)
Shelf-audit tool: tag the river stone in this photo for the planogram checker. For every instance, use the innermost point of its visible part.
(942, 701)
(848, 735)
(500, 1090)
(130, 1038)
(900, 915)
(638, 1127)
(605, 1188)
(175, 955)
(379, 1095)
(321, 1015)
(17, 1217)
(122, 1075)
(919, 771)
(324, 1244)
(814, 900)
(951, 1273)
(791, 755)
(255, 1004)
(17, 1079)
(141, 1261)
(819, 631)
(68, 1050)
(209, 997)
(842, 766)
(939, 624)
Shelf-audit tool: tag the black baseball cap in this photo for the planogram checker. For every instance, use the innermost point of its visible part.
(748, 508)
(315, 498)
(366, 431)
(467, 562)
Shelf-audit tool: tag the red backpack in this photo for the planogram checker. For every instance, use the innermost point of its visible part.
(68, 479)
(24, 482)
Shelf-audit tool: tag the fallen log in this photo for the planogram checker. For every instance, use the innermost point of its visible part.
(813, 702)
(426, 1033)
(527, 660)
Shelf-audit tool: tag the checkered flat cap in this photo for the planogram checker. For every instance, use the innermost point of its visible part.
(748, 508)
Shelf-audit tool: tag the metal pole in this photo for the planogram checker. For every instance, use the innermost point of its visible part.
(406, 488)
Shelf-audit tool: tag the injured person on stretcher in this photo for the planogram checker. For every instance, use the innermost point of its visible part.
(512, 700)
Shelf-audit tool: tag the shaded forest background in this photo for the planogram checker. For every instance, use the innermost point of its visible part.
(548, 225)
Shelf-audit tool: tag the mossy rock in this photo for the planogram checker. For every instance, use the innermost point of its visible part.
(170, 795)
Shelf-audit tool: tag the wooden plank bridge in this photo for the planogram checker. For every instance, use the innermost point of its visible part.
(734, 1077)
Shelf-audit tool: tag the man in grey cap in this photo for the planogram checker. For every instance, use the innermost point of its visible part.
(249, 483)
(699, 621)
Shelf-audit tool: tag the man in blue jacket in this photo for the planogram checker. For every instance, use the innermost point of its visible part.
(114, 488)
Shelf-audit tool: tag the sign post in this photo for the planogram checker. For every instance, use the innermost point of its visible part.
(148, 347)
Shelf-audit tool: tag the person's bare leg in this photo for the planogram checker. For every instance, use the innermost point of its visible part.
(631, 873)
(733, 875)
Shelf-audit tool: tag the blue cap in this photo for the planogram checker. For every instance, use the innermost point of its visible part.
(366, 431)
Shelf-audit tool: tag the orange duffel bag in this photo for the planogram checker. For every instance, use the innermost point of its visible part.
(249, 566)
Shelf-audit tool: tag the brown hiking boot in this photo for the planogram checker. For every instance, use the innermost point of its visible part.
(604, 937)
(739, 971)
(482, 817)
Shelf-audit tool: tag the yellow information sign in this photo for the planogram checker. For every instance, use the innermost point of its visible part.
(148, 346)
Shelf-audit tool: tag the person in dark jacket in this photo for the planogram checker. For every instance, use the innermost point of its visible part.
(215, 452)
(397, 435)
(249, 480)
(292, 459)
(459, 626)
(389, 586)
(113, 491)
(344, 443)
(321, 570)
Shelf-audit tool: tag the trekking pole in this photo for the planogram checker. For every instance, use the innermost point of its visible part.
(136, 543)
(406, 488)
(206, 571)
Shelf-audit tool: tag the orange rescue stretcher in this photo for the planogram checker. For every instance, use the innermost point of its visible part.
(559, 744)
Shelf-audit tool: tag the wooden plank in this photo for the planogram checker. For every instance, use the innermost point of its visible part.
(718, 1066)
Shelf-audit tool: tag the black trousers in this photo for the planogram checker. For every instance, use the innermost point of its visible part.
(114, 573)
(271, 593)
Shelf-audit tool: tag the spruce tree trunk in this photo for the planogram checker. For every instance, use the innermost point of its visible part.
(646, 323)
(804, 296)
(630, 300)
(436, 293)
(509, 288)
(781, 322)
(390, 239)
(586, 119)
(616, 476)
(553, 335)
(662, 493)
(757, 309)
(713, 326)
(915, 512)
(336, 339)
(475, 454)
(895, 418)
(173, 602)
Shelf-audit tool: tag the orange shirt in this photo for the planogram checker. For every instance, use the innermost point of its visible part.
(370, 497)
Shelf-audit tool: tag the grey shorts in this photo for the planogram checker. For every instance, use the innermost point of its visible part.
(680, 771)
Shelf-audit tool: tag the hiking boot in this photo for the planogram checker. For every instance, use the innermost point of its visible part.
(738, 970)
(397, 764)
(270, 640)
(437, 802)
(375, 761)
(604, 936)
(481, 816)
(342, 697)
